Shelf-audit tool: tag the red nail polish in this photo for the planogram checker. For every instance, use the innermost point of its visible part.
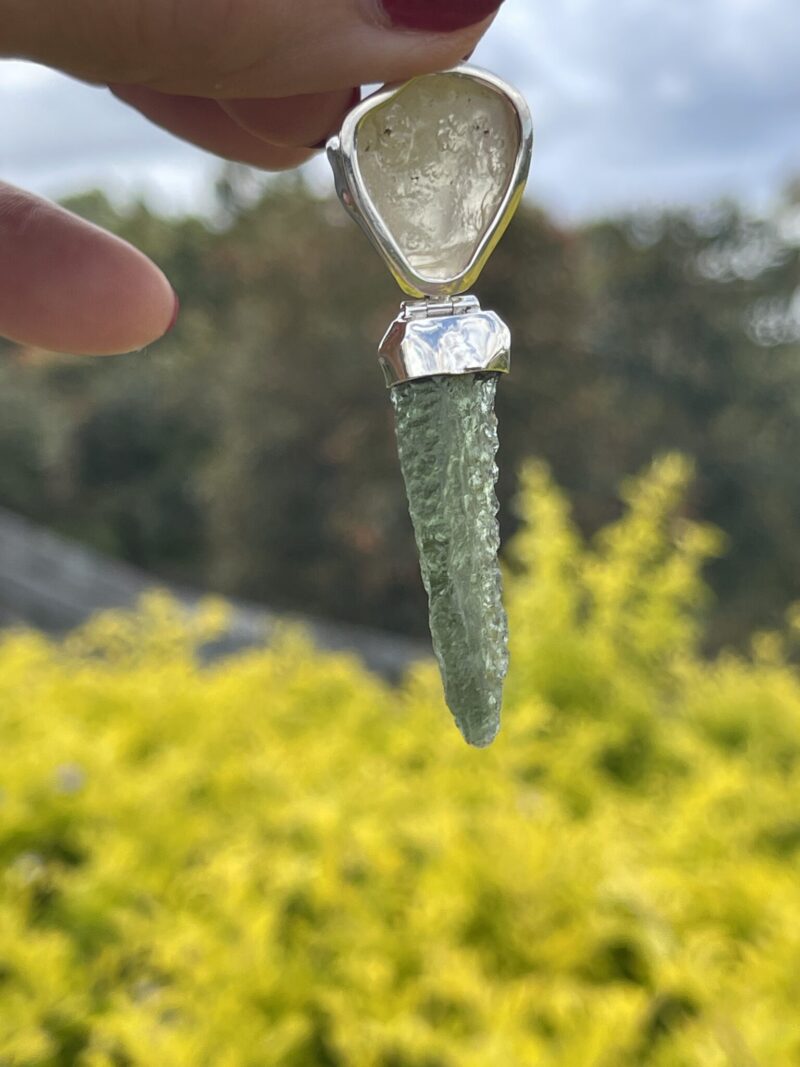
(439, 16)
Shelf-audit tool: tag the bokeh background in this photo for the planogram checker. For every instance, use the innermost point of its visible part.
(280, 858)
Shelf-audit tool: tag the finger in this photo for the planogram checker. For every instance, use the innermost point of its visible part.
(67, 286)
(293, 120)
(327, 56)
(234, 49)
(204, 123)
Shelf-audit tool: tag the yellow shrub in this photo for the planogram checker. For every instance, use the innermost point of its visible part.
(279, 861)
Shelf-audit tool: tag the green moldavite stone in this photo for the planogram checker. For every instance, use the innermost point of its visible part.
(447, 439)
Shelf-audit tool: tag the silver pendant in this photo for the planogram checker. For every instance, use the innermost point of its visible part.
(433, 171)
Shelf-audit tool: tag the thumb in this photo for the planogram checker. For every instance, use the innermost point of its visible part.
(66, 285)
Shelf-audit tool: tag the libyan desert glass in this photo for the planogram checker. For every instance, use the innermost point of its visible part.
(436, 161)
(433, 171)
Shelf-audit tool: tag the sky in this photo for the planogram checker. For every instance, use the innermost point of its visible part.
(636, 103)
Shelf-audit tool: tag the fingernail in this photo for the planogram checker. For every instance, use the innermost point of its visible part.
(438, 16)
(354, 100)
(176, 311)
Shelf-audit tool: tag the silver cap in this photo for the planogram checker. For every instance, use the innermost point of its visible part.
(447, 337)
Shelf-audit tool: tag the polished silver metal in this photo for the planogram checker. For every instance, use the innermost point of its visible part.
(430, 308)
(444, 337)
(351, 187)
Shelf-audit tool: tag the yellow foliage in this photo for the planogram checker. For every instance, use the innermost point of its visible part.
(279, 861)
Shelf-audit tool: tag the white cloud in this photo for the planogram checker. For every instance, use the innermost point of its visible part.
(645, 102)
(60, 136)
(635, 102)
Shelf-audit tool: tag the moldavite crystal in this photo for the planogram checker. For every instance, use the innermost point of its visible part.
(447, 439)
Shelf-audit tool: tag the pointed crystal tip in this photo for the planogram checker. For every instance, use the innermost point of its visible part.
(447, 439)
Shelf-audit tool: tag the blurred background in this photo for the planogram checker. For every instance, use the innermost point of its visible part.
(283, 860)
(651, 280)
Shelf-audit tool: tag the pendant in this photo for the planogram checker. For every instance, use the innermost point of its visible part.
(433, 171)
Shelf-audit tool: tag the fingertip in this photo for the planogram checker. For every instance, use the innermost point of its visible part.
(135, 303)
(204, 122)
(305, 121)
(68, 286)
(176, 311)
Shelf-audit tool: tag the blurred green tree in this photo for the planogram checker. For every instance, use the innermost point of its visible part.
(252, 450)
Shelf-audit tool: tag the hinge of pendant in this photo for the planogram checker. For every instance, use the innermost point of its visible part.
(432, 308)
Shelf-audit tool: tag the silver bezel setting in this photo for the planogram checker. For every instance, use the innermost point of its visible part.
(455, 337)
(343, 156)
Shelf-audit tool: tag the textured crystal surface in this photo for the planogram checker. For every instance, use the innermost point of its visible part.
(436, 162)
(447, 439)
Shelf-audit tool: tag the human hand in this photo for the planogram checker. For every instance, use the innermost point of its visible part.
(257, 81)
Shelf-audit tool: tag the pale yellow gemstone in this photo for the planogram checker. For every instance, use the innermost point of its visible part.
(437, 161)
